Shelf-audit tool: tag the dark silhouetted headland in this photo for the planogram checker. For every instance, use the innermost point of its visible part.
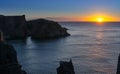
(8, 59)
(13, 27)
(16, 27)
(45, 29)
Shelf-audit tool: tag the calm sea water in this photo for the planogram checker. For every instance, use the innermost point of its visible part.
(93, 47)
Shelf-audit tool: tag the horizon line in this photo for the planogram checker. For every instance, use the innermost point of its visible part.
(92, 21)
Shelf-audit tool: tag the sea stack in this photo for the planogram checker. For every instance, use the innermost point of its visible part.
(65, 68)
(118, 65)
(45, 29)
(8, 59)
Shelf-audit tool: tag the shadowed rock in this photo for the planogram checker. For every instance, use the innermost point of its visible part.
(8, 59)
(44, 29)
(118, 65)
(14, 27)
(65, 68)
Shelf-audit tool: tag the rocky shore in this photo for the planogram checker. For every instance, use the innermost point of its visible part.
(8, 59)
(16, 27)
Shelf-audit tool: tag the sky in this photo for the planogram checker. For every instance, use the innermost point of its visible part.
(63, 10)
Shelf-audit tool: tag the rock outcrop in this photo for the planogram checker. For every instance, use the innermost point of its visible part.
(44, 29)
(65, 68)
(118, 65)
(8, 59)
(14, 27)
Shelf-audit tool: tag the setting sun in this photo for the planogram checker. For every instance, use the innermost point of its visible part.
(100, 19)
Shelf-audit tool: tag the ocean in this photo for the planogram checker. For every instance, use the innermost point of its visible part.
(93, 48)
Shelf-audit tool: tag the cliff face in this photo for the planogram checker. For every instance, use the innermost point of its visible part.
(16, 27)
(41, 28)
(13, 26)
(8, 60)
(118, 65)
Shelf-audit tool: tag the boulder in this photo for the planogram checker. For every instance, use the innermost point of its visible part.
(8, 60)
(65, 68)
(45, 29)
(14, 27)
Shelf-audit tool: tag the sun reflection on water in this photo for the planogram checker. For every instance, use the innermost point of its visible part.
(98, 53)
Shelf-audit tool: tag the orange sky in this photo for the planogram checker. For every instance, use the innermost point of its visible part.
(94, 18)
(90, 17)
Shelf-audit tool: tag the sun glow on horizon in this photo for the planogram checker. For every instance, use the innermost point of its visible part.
(100, 19)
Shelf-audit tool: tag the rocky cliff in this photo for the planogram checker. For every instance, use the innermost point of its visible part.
(8, 60)
(41, 28)
(14, 27)
(118, 65)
